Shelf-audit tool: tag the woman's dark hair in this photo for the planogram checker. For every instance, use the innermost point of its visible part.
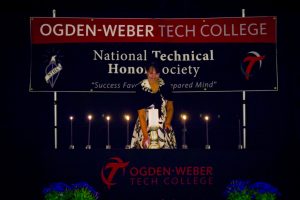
(154, 65)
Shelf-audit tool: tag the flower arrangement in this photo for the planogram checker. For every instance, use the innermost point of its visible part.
(77, 191)
(244, 190)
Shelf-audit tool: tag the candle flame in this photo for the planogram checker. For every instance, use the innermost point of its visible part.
(184, 117)
(206, 117)
(127, 117)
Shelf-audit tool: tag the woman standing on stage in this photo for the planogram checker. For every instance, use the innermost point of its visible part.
(153, 92)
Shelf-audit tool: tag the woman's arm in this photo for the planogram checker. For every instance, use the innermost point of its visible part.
(143, 123)
(170, 112)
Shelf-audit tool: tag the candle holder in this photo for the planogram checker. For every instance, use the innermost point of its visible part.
(89, 146)
(240, 146)
(153, 125)
(184, 130)
(127, 118)
(108, 146)
(154, 138)
(71, 146)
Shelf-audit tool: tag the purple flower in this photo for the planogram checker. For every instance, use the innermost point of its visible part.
(262, 187)
(60, 188)
(56, 187)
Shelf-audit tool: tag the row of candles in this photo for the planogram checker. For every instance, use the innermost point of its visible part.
(90, 117)
(184, 118)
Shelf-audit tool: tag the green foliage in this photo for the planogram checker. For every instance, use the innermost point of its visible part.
(83, 193)
(77, 191)
(245, 190)
(266, 196)
(57, 196)
(244, 195)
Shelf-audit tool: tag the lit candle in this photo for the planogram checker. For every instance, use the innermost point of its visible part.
(184, 117)
(153, 117)
(71, 133)
(88, 146)
(206, 119)
(108, 146)
(127, 118)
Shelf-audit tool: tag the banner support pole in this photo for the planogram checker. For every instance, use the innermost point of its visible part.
(55, 120)
(244, 120)
(244, 106)
(55, 104)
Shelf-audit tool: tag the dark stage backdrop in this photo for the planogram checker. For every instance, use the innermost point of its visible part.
(30, 162)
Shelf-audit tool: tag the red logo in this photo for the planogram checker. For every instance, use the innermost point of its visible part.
(113, 167)
(252, 58)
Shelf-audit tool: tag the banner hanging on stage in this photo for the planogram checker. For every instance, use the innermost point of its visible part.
(195, 54)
